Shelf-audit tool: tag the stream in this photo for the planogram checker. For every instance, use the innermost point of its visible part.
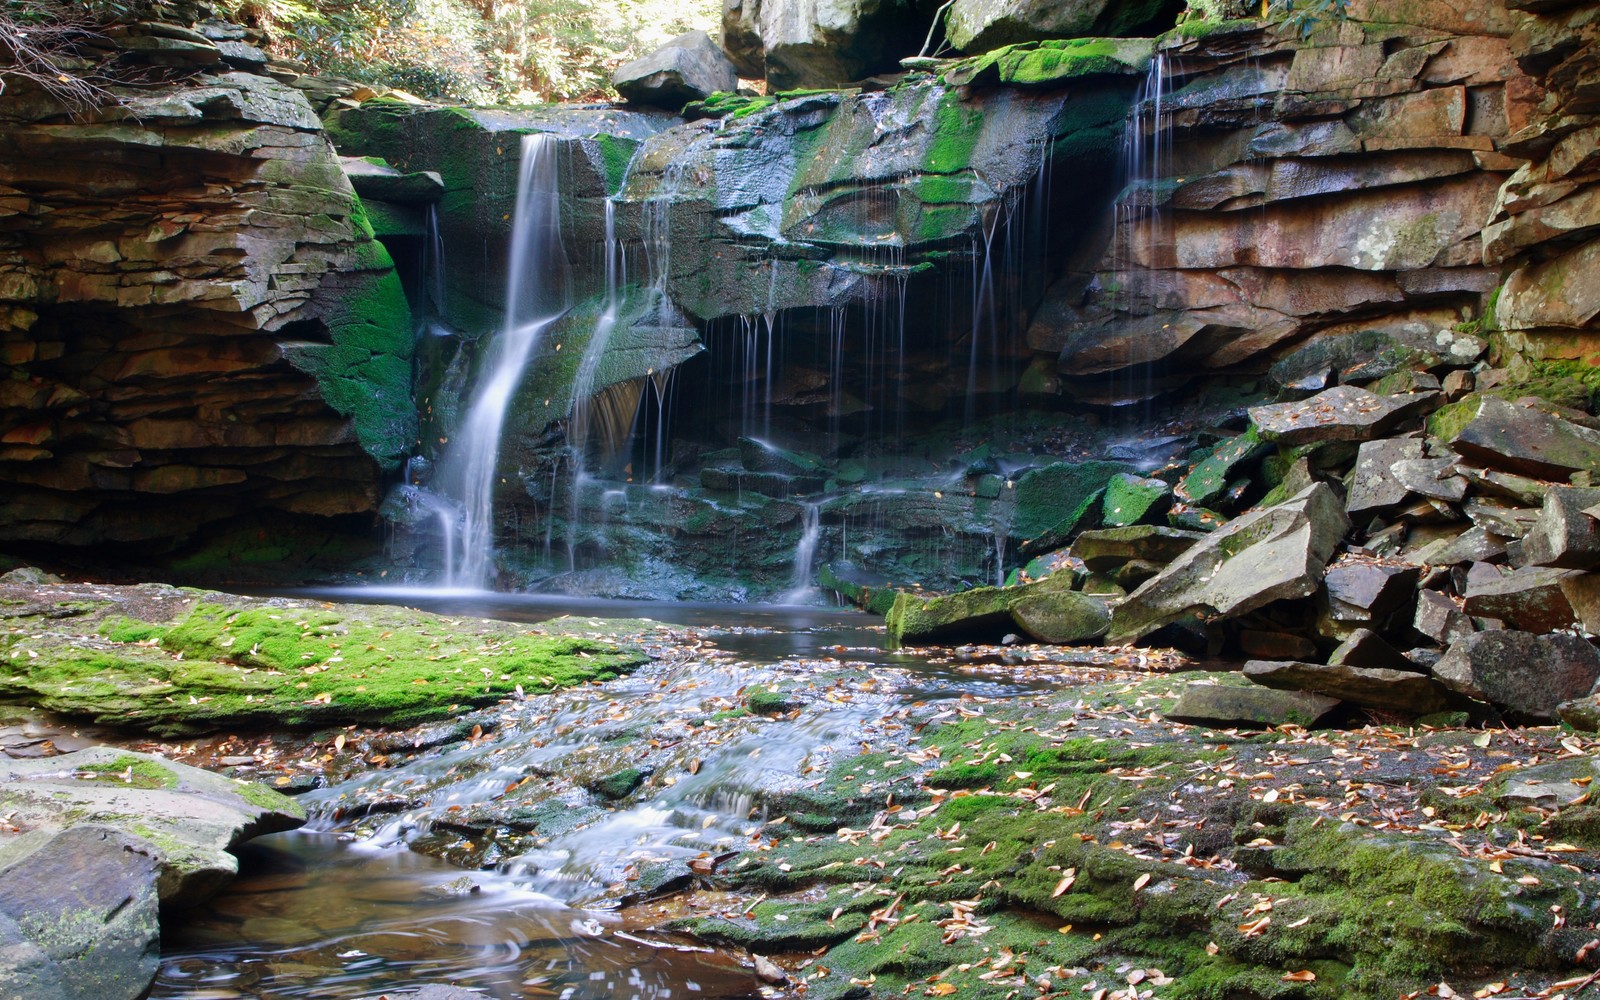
(511, 862)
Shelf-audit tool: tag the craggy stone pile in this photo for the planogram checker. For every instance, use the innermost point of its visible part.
(1409, 543)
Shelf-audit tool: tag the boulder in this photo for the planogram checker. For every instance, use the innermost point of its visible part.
(1440, 619)
(981, 25)
(1210, 477)
(819, 43)
(1582, 591)
(689, 68)
(982, 614)
(1133, 499)
(1366, 648)
(1370, 687)
(1106, 549)
(1058, 500)
(1431, 477)
(1211, 704)
(1564, 536)
(1530, 598)
(188, 817)
(1343, 413)
(1275, 553)
(1526, 674)
(78, 915)
(1369, 592)
(1373, 484)
(1518, 439)
(1061, 616)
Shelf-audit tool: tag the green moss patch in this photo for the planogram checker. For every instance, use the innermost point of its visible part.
(259, 664)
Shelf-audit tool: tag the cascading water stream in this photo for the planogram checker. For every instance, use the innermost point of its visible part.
(805, 554)
(537, 293)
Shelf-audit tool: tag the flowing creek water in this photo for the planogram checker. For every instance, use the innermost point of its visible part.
(363, 900)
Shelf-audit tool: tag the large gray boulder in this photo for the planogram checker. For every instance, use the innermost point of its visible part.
(689, 68)
(189, 818)
(1526, 674)
(1276, 553)
(981, 25)
(79, 915)
(820, 43)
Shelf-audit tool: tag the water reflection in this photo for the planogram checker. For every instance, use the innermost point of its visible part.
(311, 916)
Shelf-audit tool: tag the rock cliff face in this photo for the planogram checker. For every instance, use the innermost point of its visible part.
(1545, 226)
(1298, 191)
(195, 320)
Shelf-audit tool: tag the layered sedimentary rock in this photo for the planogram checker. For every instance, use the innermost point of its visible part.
(1294, 190)
(1545, 227)
(195, 321)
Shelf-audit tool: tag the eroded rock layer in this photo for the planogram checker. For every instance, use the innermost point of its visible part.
(195, 321)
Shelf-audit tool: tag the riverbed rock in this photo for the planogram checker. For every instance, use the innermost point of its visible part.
(1271, 554)
(1217, 705)
(78, 914)
(190, 818)
(1371, 687)
(1055, 615)
(689, 68)
(1527, 674)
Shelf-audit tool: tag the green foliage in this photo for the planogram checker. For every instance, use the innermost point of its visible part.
(478, 51)
(1305, 16)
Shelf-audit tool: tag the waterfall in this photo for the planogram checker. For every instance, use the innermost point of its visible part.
(805, 553)
(537, 293)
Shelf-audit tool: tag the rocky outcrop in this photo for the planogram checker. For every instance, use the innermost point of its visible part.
(1545, 226)
(195, 321)
(1299, 191)
(95, 843)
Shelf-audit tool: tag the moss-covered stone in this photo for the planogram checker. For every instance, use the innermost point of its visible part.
(230, 662)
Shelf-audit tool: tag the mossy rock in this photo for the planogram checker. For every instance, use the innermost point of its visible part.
(231, 663)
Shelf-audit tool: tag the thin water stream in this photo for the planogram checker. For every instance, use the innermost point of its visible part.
(359, 903)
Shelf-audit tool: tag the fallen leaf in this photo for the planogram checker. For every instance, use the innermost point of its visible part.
(1303, 976)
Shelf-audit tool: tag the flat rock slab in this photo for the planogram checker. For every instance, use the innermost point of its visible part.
(1370, 687)
(1523, 673)
(79, 915)
(189, 818)
(1230, 705)
(1105, 549)
(1343, 413)
(1276, 553)
(1517, 439)
(1548, 786)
